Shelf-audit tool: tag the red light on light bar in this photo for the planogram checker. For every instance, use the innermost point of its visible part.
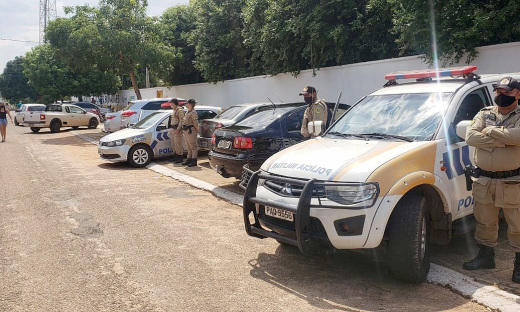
(441, 72)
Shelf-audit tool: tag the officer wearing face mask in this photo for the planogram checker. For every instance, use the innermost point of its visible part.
(317, 110)
(495, 134)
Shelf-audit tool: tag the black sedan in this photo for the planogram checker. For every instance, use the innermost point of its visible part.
(254, 139)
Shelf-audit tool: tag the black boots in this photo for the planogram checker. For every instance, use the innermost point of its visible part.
(186, 162)
(516, 270)
(484, 260)
(177, 159)
(192, 163)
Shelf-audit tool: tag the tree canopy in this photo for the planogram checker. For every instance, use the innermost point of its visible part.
(216, 40)
(14, 85)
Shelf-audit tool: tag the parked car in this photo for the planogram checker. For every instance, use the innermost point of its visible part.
(132, 113)
(228, 117)
(95, 109)
(389, 173)
(56, 116)
(252, 140)
(141, 143)
(26, 109)
(91, 106)
(137, 110)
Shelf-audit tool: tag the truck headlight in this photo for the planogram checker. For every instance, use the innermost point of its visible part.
(116, 143)
(353, 195)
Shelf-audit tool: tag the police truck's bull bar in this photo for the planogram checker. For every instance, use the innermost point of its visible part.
(300, 211)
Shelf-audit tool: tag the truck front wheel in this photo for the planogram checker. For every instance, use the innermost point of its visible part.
(408, 249)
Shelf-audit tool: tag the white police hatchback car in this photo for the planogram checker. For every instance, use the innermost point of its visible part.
(140, 144)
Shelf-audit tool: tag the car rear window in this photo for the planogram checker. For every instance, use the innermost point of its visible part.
(230, 113)
(263, 118)
(53, 108)
(36, 108)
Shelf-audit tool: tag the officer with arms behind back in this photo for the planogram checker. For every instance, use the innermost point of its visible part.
(317, 110)
(495, 134)
(176, 121)
(190, 127)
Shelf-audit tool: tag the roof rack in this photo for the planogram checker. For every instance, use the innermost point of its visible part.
(427, 74)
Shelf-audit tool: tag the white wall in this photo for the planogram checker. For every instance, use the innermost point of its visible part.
(355, 80)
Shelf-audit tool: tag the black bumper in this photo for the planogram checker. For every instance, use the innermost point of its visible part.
(231, 166)
(302, 236)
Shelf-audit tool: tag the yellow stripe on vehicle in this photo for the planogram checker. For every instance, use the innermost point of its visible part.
(378, 149)
(420, 160)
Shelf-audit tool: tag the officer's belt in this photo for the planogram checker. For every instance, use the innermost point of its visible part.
(175, 126)
(499, 174)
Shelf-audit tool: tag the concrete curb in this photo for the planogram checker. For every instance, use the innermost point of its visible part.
(229, 196)
(489, 296)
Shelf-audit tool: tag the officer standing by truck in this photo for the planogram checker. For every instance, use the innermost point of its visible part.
(317, 110)
(190, 127)
(176, 121)
(495, 134)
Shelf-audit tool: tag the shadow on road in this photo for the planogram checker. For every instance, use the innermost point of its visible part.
(345, 281)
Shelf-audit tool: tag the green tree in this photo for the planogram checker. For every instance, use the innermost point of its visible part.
(116, 36)
(55, 80)
(219, 46)
(459, 26)
(178, 23)
(292, 35)
(14, 85)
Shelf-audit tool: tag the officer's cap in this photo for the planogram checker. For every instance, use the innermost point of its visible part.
(192, 102)
(508, 84)
(307, 91)
(174, 101)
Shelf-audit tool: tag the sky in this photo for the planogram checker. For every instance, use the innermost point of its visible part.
(20, 22)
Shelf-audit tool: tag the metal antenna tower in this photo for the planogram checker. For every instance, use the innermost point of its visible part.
(47, 14)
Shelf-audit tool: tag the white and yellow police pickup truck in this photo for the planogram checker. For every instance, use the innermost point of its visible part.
(141, 143)
(389, 173)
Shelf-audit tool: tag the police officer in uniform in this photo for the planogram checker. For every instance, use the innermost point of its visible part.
(495, 134)
(177, 118)
(317, 110)
(190, 127)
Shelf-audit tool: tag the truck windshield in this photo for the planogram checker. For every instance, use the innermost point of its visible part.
(149, 120)
(410, 116)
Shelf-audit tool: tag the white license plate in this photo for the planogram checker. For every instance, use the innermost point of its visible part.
(279, 213)
(224, 144)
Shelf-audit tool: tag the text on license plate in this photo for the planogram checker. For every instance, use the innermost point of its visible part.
(224, 144)
(279, 213)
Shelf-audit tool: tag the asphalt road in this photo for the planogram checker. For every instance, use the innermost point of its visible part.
(79, 234)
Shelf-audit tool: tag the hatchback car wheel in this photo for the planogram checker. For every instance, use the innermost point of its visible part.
(139, 156)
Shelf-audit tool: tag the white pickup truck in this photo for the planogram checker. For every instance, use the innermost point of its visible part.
(61, 115)
(387, 174)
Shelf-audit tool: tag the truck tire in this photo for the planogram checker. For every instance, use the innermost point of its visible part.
(55, 126)
(93, 123)
(409, 253)
(34, 129)
(16, 123)
(140, 156)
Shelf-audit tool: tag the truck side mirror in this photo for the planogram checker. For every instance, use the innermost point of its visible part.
(461, 128)
(316, 128)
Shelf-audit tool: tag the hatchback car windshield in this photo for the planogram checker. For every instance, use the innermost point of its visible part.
(410, 116)
(230, 113)
(149, 120)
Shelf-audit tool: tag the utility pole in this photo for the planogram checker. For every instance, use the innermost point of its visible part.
(47, 14)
